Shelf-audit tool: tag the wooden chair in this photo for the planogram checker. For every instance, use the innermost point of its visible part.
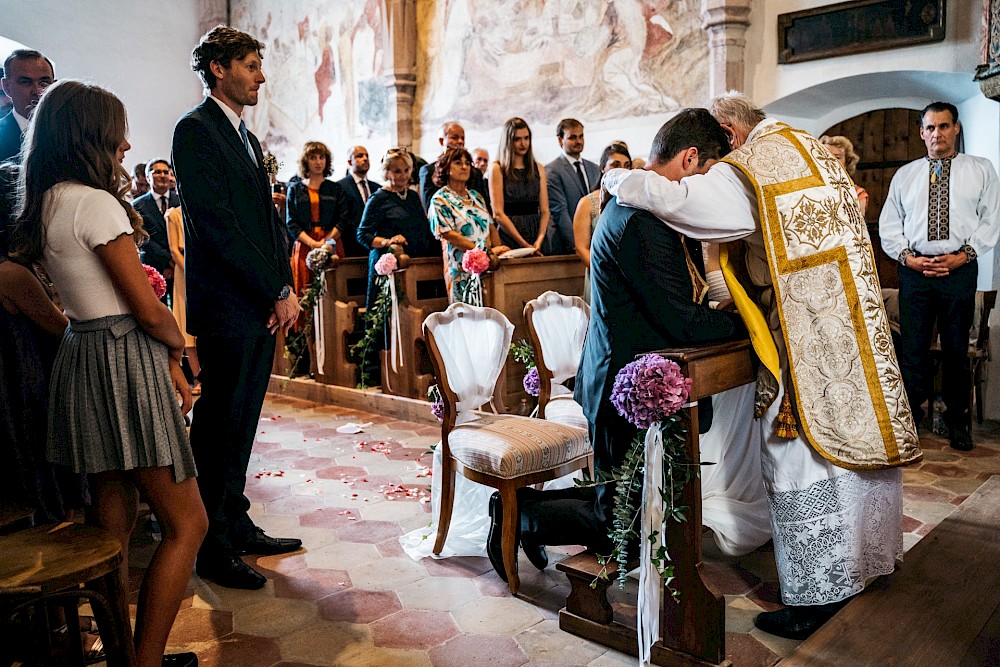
(57, 565)
(557, 328)
(468, 347)
(979, 349)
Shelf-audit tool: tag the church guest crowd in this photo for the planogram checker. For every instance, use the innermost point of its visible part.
(231, 244)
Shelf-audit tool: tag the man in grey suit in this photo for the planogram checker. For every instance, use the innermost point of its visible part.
(570, 178)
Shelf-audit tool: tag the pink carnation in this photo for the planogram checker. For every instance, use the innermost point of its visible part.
(386, 264)
(475, 261)
(156, 281)
(649, 389)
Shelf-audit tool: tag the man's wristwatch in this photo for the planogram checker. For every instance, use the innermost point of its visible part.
(285, 292)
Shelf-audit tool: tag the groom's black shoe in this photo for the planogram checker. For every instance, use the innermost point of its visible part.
(262, 545)
(494, 543)
(535, 552)
(797, 622)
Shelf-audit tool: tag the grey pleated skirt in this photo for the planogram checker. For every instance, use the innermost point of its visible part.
(112, 405)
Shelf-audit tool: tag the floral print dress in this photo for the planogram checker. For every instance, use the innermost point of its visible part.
(469, 217)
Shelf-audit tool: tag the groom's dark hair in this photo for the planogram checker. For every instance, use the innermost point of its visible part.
(223, 45)
(690, 127)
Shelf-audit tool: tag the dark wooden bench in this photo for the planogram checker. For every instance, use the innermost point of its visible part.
(941, 608)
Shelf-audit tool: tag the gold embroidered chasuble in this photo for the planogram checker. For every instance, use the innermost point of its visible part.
(848, 392)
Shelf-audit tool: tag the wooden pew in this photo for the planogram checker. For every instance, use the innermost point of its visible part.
(421, 291)
(941, 608)
(338, 318)
(514, 284)
(693, 626)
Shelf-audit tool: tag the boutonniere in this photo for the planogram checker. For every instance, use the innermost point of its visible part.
(271, 164)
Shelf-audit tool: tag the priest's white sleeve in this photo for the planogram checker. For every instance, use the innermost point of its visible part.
(716, 206)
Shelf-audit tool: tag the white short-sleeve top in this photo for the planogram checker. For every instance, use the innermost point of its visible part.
(77, 219)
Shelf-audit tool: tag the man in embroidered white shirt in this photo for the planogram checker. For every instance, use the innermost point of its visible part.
(942, 212)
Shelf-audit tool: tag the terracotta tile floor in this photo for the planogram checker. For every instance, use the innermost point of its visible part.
(353, 598)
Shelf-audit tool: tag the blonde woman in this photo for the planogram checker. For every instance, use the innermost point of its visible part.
(842, 149)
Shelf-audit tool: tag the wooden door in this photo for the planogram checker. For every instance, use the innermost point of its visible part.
(886, 139)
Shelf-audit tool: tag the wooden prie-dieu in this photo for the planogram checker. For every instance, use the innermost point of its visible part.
(692, 625)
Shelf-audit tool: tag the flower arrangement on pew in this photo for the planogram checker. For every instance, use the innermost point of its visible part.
(381, 311)
(649, 392)
(523, 353)
(437, 402)
(317, 261)
(475, 262)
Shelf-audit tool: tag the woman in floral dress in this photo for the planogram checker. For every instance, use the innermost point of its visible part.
(459, 218)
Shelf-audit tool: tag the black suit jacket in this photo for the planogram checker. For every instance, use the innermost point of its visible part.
(641, 301)
(428, 189)
(156, 250)
(236, 258)
(354, 207)
(10, 138)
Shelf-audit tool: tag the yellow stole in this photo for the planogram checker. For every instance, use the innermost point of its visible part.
(846, 386)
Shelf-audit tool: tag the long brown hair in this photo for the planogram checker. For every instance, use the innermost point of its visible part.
(73, 135)
(506, 157)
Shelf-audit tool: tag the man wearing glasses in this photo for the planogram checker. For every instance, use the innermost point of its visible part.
(153, 207)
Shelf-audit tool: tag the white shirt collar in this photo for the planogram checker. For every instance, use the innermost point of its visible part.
(358, 179)
(230, 114)
(573, 160)
(22, 122)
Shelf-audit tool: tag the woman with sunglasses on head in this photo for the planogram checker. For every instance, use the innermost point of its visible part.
(394, 215)
(113, 408)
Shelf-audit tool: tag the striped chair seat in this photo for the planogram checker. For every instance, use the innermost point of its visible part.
(564, 410)
(507, 446)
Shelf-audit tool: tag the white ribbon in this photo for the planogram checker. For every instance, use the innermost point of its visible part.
(651, 520)
(395, 334)
(318, 329)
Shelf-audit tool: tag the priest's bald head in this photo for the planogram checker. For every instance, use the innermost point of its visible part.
(737, 114)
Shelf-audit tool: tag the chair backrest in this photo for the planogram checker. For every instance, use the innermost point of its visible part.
(985, 301)
(469, 346)
(557, 326)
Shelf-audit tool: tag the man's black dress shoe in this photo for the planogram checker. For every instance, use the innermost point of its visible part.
(261, 545)
(960, 439)
(797, 622)
(494, 543)
(230, 571)
(535, 552)
(180, 660)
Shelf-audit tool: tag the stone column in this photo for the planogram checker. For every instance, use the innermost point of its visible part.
(726, 23)
(400, 77)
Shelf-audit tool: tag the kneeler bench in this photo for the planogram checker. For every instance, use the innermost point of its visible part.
(940, 608)
(693, 626)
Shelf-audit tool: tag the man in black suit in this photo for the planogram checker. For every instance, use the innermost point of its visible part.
(239, 294)
(26, 74)
(642, 300)
(153, 206)
(452, 136)
(356, 189)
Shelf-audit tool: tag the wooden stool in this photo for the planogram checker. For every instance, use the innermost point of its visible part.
(63, 563)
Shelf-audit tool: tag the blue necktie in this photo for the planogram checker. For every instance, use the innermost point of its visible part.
(246, 141)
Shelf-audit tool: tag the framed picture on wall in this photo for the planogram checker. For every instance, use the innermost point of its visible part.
(858, 26)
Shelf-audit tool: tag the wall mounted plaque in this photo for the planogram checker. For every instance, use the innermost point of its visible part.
(858, 26)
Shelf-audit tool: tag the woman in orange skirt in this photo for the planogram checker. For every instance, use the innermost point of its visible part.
(314, 210)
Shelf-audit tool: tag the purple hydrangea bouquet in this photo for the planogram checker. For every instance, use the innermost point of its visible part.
(649, 392)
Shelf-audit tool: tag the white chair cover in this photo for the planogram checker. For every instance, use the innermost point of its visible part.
(560, 323)
(473, 343)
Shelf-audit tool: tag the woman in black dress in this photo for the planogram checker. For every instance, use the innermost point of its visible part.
(518, 189)
(394, 214)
